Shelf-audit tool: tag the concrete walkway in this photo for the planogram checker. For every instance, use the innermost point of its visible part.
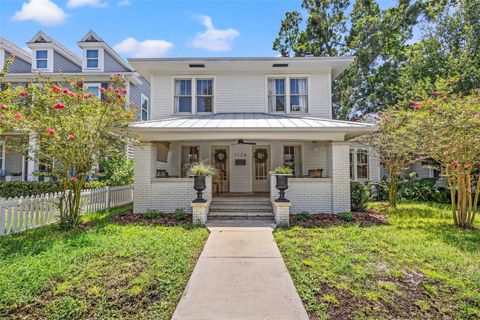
(240, 275)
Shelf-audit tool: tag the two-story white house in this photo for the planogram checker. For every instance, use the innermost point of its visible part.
(246, 116)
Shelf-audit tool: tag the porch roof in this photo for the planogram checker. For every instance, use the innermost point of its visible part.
(232, 122)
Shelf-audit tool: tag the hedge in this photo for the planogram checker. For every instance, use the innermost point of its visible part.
(16, 189)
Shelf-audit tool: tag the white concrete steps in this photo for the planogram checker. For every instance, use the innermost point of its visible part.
(241, 208)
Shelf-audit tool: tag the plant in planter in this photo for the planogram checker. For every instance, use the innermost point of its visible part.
(199, 171)
(282, 174)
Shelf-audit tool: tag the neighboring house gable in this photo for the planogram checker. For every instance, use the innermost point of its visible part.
(23, 59)
(18, 65)
(112, 64)
(61, 64)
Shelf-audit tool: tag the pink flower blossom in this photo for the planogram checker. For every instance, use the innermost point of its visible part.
(51, 131)
(454, 164)
(119, 96)
(102, 90)
(58, 105)
(56, 89)
(71, 137)
(3, 107)
(468, 165)
(71, 94)
(117, 91)
(124, 91)
(74, 178)
(24, 93)
(436, 93)
(88, 95)
(66, 91)
(416, 105)
(18, 116)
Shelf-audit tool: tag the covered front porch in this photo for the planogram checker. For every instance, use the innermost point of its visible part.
(244, 158)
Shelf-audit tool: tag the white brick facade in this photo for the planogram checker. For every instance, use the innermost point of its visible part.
(281, 211)
(340, 164)
(165, 194)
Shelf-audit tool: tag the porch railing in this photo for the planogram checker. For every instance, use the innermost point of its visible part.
(20, 214)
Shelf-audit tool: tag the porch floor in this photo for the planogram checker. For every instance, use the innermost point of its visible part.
(242, 194)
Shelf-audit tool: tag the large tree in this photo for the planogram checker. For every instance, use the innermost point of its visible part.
(378, 38)
(70, 127)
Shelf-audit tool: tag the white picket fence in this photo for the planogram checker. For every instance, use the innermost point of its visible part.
(20, 214)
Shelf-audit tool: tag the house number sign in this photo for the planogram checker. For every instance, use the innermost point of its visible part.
(239, 154)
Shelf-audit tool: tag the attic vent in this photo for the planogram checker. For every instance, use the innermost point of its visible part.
(197, 65)
(280, 65)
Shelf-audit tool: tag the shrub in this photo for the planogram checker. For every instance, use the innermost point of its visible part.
(302, 216)
(360, 195)
(94, 185)
(346, 216)
(154, 214)
(283, 170)
(422, 190)
(117, 171)
(26, 188)
(179, 214)
(379, 190)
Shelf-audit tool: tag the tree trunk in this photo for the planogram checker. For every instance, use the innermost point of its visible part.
(392, 188)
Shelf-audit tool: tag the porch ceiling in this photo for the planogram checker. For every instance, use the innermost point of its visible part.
(251, 126)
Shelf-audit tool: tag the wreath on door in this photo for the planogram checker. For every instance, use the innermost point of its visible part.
(260, 156)
(220, 156)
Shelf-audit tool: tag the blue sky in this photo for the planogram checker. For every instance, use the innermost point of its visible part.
(153, 27)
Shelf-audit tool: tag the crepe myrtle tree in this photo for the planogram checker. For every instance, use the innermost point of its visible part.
(449, 128)
(71, 126)
(395, 144)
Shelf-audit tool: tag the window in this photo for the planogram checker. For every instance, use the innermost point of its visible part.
(93, 88)
(362, 164)
(42, 59)
(204, 95)
(276, 95)
(190, 155)
(298, 95)
(92, 59)
(352, 166)
(183, 96)
(292, 158)
(144, 111)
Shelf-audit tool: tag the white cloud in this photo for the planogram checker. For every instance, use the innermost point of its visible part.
(43, 11)
(86, 3)
(144, 49)
(214, 39)
(124, 3)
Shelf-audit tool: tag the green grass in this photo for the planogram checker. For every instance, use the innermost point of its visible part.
(100, 271)
(417, 266)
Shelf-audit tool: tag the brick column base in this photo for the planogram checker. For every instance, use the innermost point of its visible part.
(200, 212)
(281, 211)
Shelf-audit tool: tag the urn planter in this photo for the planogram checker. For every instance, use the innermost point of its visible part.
(199, 185)
(282, 185)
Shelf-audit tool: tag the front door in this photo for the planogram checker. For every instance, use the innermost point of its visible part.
(261, 167)
(220, 156)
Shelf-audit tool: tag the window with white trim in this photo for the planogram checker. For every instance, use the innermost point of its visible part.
(276, 95)
(41, 57)
(183, 95)
(190, 156)
(93, 88)
(204, 95)
(292, 157)
(144, 107)
(298, 95)
(359, 164)
(92, 59)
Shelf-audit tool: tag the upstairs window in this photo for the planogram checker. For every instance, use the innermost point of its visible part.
(92, 59)
(276, 95)
(183, 96)
(42, 59)
(204, 95)
(298, 95)
(144, 111)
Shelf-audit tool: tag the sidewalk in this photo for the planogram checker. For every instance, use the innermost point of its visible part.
(240, 275)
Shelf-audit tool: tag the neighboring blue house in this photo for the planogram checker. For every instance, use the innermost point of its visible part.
(96, 65)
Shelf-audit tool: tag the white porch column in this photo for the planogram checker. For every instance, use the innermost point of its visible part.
(32, 161)
(340, 173)
(144, 171)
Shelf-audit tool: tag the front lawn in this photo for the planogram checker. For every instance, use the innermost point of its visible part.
(103, 270)
(417, 266)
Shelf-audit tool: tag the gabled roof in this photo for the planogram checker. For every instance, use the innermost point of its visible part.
(16, 50)
(253, 122)
(91, 37)
(42, 37)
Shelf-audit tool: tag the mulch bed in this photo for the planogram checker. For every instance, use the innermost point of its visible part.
(327, 219)
(139, 218)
